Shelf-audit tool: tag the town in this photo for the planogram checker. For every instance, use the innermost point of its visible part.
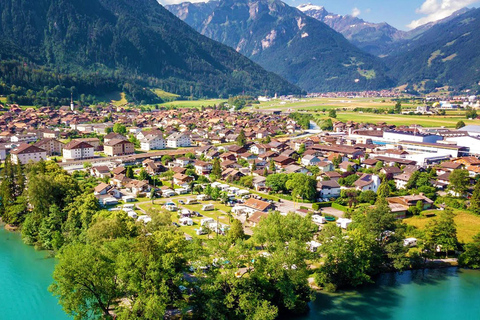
(210, 175)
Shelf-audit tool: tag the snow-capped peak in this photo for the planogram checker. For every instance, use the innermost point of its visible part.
(309, 6)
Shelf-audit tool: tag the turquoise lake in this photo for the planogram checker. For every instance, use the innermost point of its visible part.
(25, 275)
(445, 294)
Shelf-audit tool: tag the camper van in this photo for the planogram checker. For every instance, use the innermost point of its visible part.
(203, 197)
(343, 223)
(206, 221)
(192, 201)
(318, 219)
(410, 242)
(208, 207)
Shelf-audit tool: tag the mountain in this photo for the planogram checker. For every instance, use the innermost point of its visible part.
(444, 55)
(374, 38)
(284, 40)
(129, 45)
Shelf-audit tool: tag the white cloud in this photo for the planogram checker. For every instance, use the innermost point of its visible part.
(438, 9)
(167, 2)
(356, 12)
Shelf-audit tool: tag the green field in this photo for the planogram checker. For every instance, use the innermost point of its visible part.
(166, 96)
(192, 103)
(467, 223)
(329, 103)
(219, 213)
(403, 120)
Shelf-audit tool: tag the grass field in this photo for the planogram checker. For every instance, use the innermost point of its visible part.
(166, 96)
(219, 213)
(467, 223)
(401, 120)
(329, 103)
(193, 103)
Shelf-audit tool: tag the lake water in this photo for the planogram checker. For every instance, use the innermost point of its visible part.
(25, 275)
(445, 294)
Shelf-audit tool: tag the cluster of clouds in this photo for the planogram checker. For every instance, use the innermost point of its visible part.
(434, 10)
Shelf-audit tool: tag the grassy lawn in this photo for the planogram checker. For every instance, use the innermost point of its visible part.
(397, 119)
(329, 103)
(117, 98)
(467, 223)
(165, 95)
(193, 103)
(219, 213)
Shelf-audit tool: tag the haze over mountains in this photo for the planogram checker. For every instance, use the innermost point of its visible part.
(128, 45)
(284, 40)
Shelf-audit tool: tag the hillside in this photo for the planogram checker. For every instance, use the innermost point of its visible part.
(444, 55)
(284, 40)
(106, 45)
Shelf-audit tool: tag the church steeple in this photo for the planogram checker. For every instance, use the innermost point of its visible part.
(72, 105)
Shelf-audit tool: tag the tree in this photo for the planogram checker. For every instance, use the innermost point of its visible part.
(236, 231)
(441, 234)
(347, 258)
(143, 175)
(301, 149)
(129, 173)
(398, 107)
(384, 189)
(470, 258)
(119, 128)
(272, 166)
(332, 113)
(277, 182)
(241, 139)
(302, 186)
(459, 180)
(337, 160)
(475, 199)
(85, 281)
(216, 168)
(471, 114)
(460, 124)
(246, 181)
(166, 159)
(327, 125)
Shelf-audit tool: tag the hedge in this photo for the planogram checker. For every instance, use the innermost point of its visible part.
(339, 207)
(319, 205)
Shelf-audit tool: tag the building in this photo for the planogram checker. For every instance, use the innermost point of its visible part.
(25, 153)
(178, 140)
(118, 147)
(367, 182)
(400, 205)
(95, 142)
(152, 142)
(397, 136)
(328, 189)
(51, 145)
(430, 148)
(470, 143)
(77, 150)
(113, 136)
(26, 138)
(472, 130)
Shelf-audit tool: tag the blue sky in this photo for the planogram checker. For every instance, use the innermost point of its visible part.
(402, 14)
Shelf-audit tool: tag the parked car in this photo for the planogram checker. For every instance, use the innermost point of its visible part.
(175, 224)
(181, 202)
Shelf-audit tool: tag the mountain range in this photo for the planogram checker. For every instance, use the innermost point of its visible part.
(130, 45)
(286, 41)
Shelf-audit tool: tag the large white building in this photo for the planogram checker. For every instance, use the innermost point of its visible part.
(25, 153)
(472, 130)
(397, 136)
(77, 150)
(178, 139)
(471, 144)
(430, 148)
(152, 142)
